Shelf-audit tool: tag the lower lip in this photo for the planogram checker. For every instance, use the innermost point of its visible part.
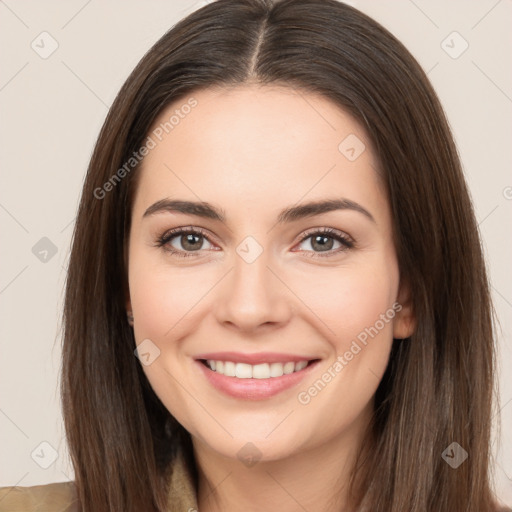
(254, 389)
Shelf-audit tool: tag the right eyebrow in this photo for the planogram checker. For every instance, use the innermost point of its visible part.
(201, 209)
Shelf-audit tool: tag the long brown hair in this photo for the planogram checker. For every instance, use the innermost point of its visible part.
(438, 386)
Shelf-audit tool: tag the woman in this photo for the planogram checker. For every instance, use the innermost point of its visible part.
(276, 296)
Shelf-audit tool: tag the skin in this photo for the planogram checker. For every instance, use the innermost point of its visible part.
(252, 151)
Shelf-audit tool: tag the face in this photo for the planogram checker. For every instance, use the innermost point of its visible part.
(265, 314)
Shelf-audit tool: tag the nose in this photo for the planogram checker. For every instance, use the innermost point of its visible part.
(253, 297)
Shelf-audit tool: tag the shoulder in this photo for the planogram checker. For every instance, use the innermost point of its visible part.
(58, 497)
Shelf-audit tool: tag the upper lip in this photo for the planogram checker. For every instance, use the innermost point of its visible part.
(255, 358)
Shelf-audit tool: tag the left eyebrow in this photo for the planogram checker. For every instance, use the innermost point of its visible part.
(291, 214)
(318, 207)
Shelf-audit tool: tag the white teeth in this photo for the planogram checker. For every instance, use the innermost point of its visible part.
(276, 370)
(261, 371)
(257, 371)
(300, 365)
(288, 368)
(243, 371)
(229, 369)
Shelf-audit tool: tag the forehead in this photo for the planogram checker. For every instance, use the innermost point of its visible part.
(255, 143)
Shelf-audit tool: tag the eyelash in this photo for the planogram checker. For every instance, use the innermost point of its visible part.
(167, 236)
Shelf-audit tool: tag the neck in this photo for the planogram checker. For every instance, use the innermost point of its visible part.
(314, 479)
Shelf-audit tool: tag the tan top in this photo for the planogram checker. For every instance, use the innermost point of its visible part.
(61, 497)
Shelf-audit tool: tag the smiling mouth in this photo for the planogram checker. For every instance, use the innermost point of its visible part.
(256, 371)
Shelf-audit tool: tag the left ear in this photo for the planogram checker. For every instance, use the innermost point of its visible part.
(404, 322)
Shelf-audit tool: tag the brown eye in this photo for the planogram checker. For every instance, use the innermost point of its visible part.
(327, 241)
(184, 241)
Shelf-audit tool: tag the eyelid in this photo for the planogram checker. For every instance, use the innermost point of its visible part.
(327, 231)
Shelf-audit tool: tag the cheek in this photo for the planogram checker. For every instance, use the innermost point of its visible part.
(159, 300)
(348, 300)
(166, 301)
(162, 297)
(358, 307)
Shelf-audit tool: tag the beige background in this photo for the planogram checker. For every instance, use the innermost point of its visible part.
(52, 110)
